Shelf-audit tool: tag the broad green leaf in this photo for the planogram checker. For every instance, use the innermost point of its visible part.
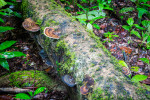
(144, 36)
(96, 26)
(1, 20)
(31, 93)
(89, 27)
(123, 64)
(126, 9)
(138, 78)
(139, 27)
(126, 27)
(4, 63)
(17, 14)
(130, 21)
(145, 60)
(146, 23)
(4, 29)
(12, 54)
(146, 5)
(136, 33)
(10, 3)
(101, 7)
(2, 13)
(2, 3)
(141, 11)
(135, 68)
(148, 39)
(109, 8)
(22, 96)
(80, 6)
(96, 14)
(6, 44)
(39, 90)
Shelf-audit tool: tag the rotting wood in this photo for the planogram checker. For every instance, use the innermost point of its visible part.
(89, 56)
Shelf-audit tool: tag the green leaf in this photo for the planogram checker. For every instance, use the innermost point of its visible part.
(17, 14)
(136, 33)
(96, 26)
(145, 60)
(12, 54)
(146, 5)
(138, 78)
(101, 7)
(1, 20)
(130, 21)
(31, 93)
(80, 6)
(6, 44)
(139, 27)
(141, 11)
(22, 96)
(126, 27)
(148, 39)
(39, 90)
(144, 36)
(135, 68)
(4, 63)
(2, 3)
(2, 13)
(123, 64)
(6, 28)
(89, 27)
(126, 9)
(146, 23)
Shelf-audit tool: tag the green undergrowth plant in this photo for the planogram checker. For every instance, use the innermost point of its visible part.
(4, 54)
(7, 12)
(30, 94)
(141, 7)
(109, 36)
(89, 15)
(145, 35)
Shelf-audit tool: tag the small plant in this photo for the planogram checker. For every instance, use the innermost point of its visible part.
(4, 55)
(145, 60)
(110, 36)
(31, 94)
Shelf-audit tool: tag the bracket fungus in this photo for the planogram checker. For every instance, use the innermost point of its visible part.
(30, 25)
(84, 90)
(69, 80)
(50, 32)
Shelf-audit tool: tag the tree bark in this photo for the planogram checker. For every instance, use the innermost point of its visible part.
(80, 53)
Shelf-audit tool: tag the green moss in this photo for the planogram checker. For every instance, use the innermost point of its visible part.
(39, 21)
(28, 78)
(68, 57)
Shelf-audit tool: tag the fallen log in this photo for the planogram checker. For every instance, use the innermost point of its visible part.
(80, 54)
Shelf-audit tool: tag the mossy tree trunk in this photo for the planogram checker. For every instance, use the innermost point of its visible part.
(80, 53)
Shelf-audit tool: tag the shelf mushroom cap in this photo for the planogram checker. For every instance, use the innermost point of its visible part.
(30, 25)
(68, 80)
(50, 32)
(84, 90)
